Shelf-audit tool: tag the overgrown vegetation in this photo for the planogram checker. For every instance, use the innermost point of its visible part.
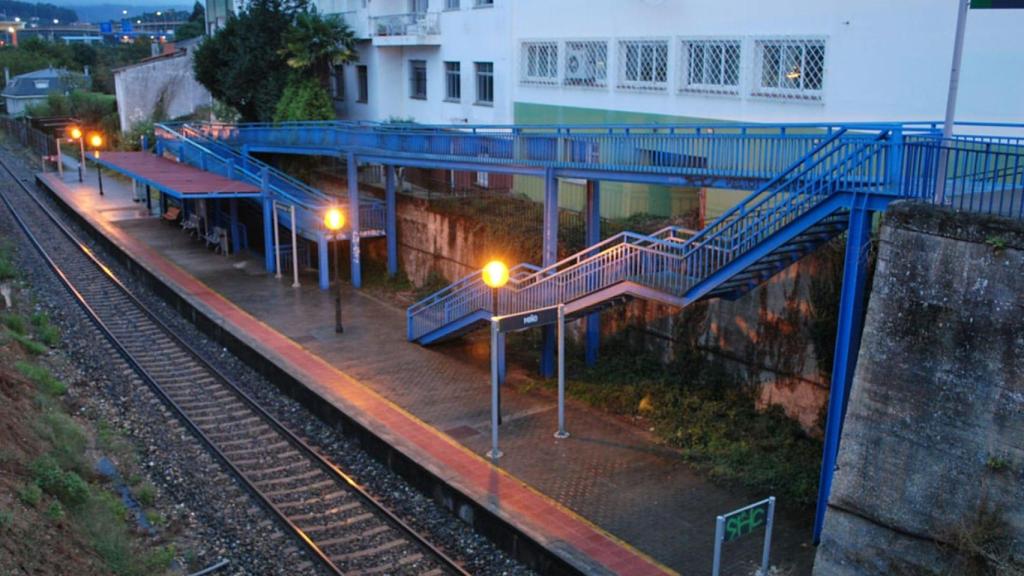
(95, 110)
(986, 543)
(35, 54)
(694, 405)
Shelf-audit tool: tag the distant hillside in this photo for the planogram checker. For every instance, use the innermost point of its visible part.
(26, 10)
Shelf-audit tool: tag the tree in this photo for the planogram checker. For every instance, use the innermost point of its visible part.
(242, 65)
(304, 99)
(315, 43)
(196, 25)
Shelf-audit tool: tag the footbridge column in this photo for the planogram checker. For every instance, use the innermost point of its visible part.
(593, 236)
(549, 256)
(353, 218)
(268, 221)
(851, 319)
(390, 227)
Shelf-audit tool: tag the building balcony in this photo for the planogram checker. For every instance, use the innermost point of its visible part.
(414, 29)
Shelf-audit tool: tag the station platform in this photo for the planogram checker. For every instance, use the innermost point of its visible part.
(609, 499)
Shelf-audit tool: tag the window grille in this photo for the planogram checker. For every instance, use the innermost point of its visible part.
(418, 79)
(539, 63)
(485, 83)
(452, 81)
(586, 63)
(789, 68)
(451, 4)
(710, 66)
(483, 3)
(363, 84)
(643, 64)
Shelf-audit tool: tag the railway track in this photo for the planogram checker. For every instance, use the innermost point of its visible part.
(346, 530)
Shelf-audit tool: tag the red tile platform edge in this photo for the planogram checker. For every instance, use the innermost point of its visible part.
(536, 514)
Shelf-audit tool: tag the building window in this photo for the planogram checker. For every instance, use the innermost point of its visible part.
(483, 3)
(339, 82)
(789, 68)
(418, 79)
(539, 63)
(451, 4)
(452, 81)
(586, 64)
(482, 179)
(485, 83)
(711, 66)
(363, 81)
(643, 64)
(418, 6)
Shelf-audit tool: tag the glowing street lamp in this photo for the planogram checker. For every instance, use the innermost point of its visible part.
(96, 141)
(334, 220)
(76, 134)
(495, 275)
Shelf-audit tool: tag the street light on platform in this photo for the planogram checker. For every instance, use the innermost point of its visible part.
(495, 275)
(334, 220)
(76, 134)
(95, 142)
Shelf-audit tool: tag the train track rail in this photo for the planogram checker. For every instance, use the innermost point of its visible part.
(345, 528)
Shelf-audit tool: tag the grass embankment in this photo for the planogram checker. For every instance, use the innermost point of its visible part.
(57, 516)
(694, 405)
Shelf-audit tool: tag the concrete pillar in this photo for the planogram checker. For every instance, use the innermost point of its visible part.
(390, 225)
(549, 255)
(851, 320)
(353, 218)
(592, 216)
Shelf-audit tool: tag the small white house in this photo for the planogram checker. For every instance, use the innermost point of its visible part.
(33, 88)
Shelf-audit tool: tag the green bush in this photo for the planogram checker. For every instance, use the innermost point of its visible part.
(46, 332)
(43, 379)
(55, 511)
(67, 439)
(7, 270)
(15, 323)
(304, 99)
(68, 487)
(6, 519)
(146, 494)
(30, 494)
(30, 345)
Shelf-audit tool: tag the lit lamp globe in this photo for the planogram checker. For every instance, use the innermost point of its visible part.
(495, 274)
(334, 219)
(76, 133)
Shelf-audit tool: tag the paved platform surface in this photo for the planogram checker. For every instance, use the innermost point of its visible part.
(608, 478)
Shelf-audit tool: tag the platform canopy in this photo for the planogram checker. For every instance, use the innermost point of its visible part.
(174, 178)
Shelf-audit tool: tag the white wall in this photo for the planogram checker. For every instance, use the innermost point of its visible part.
(141, 86)
(884, 60)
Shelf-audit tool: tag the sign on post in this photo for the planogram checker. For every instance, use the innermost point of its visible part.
(514, 323)
(734, 525)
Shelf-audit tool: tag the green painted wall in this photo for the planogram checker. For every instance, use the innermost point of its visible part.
(618, 200)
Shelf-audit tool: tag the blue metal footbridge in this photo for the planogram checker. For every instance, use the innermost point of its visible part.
(809, 183)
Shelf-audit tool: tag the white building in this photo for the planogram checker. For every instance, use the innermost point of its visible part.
(499, 61)
(162, 86)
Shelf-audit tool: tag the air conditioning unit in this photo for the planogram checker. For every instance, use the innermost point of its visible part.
(581, 65)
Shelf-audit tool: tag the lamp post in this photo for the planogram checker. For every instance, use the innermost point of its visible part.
(495, 275)
(76, 134)
(95, 142)
(334, 220)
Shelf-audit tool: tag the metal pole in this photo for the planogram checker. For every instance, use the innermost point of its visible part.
(561, 434)
(295, 251)
(954, 85)
(768, 536)
(277, 244)
(60, 164)
(149, 199)
(495, 453)
(99, 176)
(496, 346)
(716, 563)
(81, 167)
(338, 328)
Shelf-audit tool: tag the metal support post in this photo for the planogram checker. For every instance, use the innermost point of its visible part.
(549, 257)
(954, 85)
(561, 433)
(353, 219)
(593, 236)
(99, 177)
(233, 214)
(295, 250)
(338, 328)
(494, 453)
(390, 224)
(716, 562)
(268, 230)
(149, 199)
(767, 549)
(851, 318)
(81, 165)
(60, 162)
(277, 244)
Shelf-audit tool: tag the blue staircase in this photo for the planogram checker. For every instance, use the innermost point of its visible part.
(785, 219)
